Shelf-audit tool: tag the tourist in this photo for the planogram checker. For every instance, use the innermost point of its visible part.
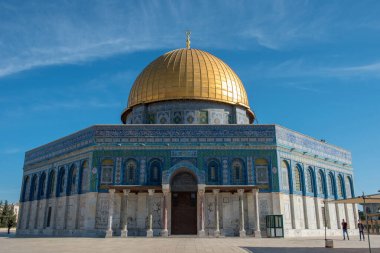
(361, 230)
(344, 227)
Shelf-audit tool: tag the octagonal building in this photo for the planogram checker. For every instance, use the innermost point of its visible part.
(186, 160)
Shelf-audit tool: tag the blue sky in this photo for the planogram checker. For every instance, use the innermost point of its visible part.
(311, 66)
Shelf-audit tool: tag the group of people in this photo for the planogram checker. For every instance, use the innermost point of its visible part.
(360, 227)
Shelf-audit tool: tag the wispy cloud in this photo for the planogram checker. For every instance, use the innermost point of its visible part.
(38, 33)
(11, 151)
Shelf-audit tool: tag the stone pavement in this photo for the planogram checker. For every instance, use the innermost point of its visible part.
(181, 245)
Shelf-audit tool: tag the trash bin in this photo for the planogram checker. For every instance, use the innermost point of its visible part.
(329, 243)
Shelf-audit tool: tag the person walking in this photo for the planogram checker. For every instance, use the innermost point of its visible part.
(344, 227)
(361, 230)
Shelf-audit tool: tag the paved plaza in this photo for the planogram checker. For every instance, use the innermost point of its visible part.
(10, 244)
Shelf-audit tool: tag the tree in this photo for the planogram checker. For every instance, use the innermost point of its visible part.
(4, 214)
(11, 219)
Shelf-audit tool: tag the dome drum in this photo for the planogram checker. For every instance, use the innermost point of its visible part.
(187, 112)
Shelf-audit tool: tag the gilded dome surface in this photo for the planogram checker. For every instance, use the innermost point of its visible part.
(187, 74)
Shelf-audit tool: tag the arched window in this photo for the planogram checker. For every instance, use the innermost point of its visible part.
(321, 183)
(261, 168)
(25, 196)
(297, 179)
(130, 174)
(340, 186)
(42, 185)
(61, 182)
(107, 171)
(310, 181)
(237, 176)
(213, 172)
(331, 185)
(349, 187)
(33, 188)
(84, 177)
(285, 175)
(51, 184)
(155, 172)
(72, 185)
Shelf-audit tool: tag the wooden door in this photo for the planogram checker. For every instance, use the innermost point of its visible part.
(184, 213)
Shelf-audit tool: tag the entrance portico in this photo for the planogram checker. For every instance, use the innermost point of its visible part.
(188, 208)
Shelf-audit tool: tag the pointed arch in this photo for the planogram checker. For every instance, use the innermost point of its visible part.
(84, 177)
(42, 185)
(25, 192)
(131, 172)
(285, 174)
(331, 185)
(237, 172)
(33, 188)
(155, 171)
(61, 182)
(51, 184)
(298, 178)
(310, 184)
(213, 171)
(321, 183)
(72, 180)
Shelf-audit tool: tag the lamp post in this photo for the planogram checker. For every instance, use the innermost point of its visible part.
(324, 214)
(366, 219)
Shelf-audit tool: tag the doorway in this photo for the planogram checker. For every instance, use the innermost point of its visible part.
(184, 204)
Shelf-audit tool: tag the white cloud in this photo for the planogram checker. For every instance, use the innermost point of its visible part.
(44, 33)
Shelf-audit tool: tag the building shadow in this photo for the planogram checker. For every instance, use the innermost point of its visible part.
(308, 250)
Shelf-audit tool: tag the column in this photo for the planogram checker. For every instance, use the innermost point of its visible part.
(337, 216)
(305, 212)
(165, 232)
(217, 227)
(257, 231)
(201, 194)
(110, 213)
(354, 209)
(241, 200)
(292, 216)
(317, 216)
(124, 232)
(346, 214)
(149, 232)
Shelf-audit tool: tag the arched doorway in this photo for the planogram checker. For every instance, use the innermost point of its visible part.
(184, 204)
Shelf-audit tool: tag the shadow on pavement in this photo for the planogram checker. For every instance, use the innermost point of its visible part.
(308, 250)
(5, 234)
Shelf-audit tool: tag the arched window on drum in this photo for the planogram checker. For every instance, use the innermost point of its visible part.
(155, 172)
(130, 175)
(107, 171)
(213, 172)
(285, 175)
(261, 168)
(237, 176)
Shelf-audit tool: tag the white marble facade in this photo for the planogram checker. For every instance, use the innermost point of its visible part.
(88, 214)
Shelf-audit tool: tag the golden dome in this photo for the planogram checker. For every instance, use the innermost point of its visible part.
(187, 74)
